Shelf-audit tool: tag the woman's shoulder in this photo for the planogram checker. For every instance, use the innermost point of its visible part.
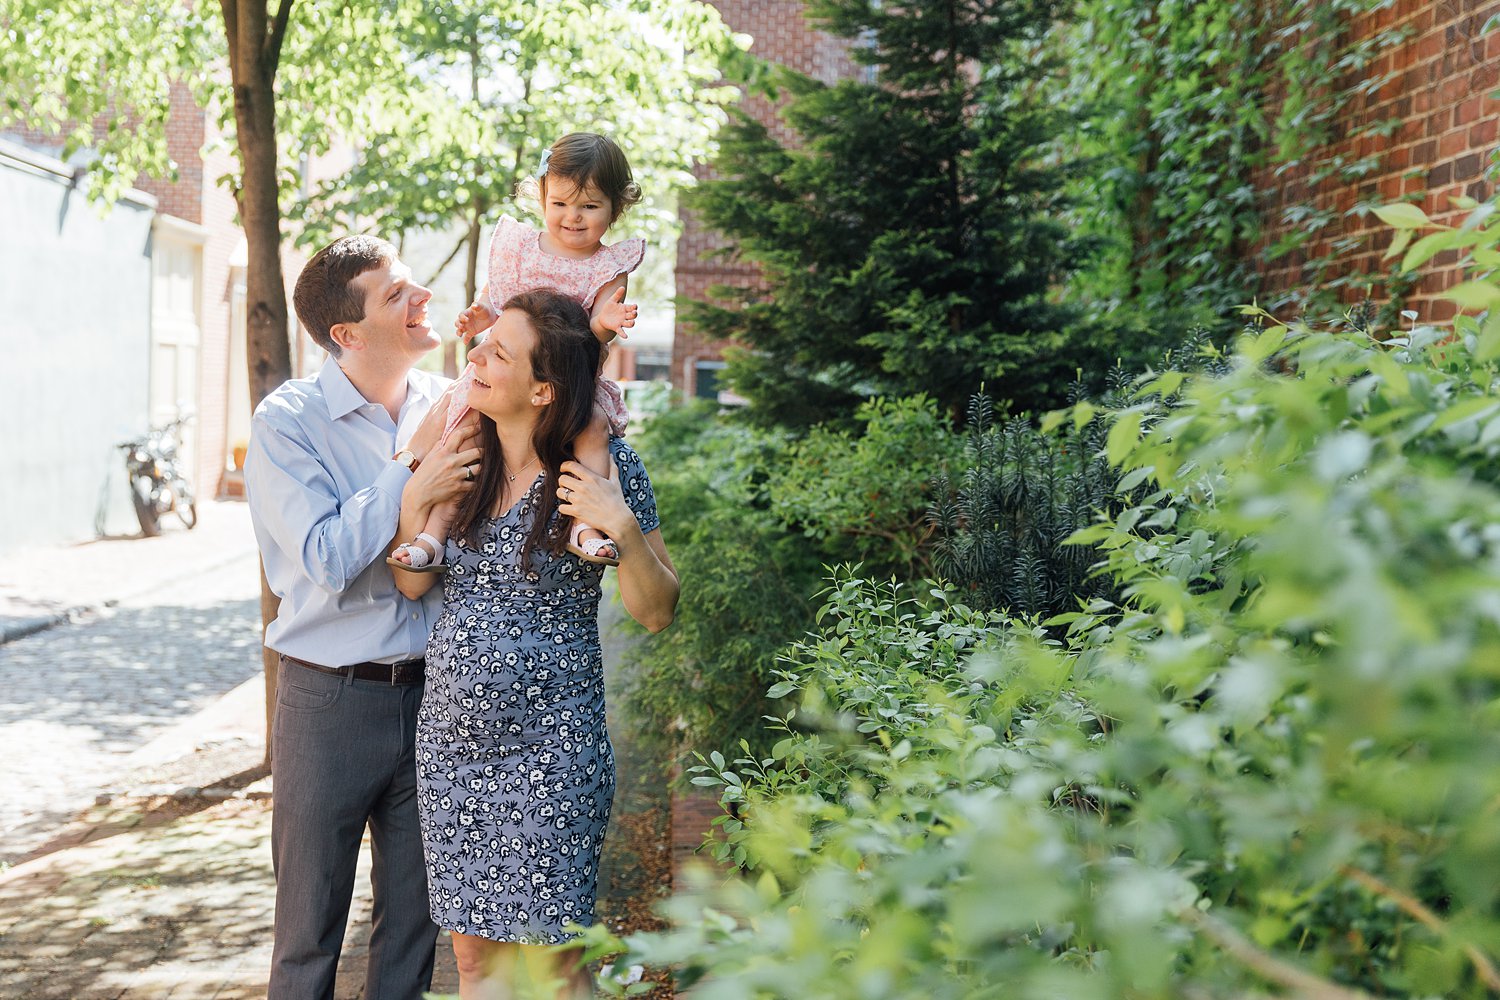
(623, 453)
(629, 463)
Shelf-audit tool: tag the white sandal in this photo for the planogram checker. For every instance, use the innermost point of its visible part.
(588, 549)
(421, 560)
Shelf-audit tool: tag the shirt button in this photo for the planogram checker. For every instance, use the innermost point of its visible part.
(413, 616)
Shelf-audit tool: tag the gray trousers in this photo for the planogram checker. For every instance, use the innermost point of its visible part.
(342, 756)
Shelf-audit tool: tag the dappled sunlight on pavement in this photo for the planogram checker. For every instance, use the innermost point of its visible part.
(166, 897)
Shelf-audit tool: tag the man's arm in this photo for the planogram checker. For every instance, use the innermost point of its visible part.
(294, 499)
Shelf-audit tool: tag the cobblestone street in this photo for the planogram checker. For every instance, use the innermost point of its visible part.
(158, 629)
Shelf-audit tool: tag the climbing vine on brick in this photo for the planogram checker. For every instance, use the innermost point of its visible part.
(1199, 109)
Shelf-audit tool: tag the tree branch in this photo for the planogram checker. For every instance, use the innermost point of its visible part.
(277, 35)
(1413, 908)
(1267, 966)
(448, 259)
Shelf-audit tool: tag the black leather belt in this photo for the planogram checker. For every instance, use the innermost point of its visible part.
(405, 672)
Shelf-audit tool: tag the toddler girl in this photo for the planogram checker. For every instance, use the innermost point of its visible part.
(584, 184)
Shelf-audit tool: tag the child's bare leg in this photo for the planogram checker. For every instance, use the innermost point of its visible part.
(591, 448)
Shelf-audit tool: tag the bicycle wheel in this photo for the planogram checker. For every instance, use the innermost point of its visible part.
(184, 504)
(145, 507)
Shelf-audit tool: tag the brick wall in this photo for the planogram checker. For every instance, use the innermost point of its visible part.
(781, 35)
(1447, 71)
(186, 129)
(1445, 75)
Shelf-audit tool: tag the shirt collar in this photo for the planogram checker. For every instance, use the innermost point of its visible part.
(338, 391)
(421, 385)
(342, 398)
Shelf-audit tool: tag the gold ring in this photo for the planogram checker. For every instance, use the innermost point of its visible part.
(468, 473)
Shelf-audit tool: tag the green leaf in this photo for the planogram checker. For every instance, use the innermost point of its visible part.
(1403, 237)
(1425, 249)
(1083, 414)
(1403, 215)
(1474, 294)
(1122, 436)
(1264, 344)
(1485, 257)
(1487, 345)
(781, 689)
(1464, 410)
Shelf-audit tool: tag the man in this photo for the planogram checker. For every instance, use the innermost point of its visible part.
(326, 475)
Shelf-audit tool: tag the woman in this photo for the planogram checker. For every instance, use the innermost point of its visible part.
(514, 766)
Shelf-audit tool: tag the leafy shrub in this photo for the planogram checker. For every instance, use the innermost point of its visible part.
(864, 498)
(747, 582)
(752, 517)
(1006, 527)
(1269, 765)
(1003, 529)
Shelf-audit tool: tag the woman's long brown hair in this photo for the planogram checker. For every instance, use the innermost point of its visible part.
(566, 357)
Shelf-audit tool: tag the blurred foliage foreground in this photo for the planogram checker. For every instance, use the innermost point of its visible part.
(1267, 763)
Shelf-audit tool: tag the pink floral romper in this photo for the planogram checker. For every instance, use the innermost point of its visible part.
(518, 264)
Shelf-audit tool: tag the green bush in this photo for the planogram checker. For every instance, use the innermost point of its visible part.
(1004, 525)
(864, 498)
(747, 581)
(752, 518)
(1269, 766)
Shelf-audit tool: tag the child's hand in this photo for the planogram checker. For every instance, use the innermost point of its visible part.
(614, 316)
(473, 321)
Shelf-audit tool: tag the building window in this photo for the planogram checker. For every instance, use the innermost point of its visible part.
(706, 379)
(653, 366)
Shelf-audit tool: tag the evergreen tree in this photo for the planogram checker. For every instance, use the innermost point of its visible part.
(910, 236)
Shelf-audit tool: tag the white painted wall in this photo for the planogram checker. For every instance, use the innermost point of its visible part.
(75, 350)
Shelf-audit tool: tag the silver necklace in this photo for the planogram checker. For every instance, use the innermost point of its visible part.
(511, 476)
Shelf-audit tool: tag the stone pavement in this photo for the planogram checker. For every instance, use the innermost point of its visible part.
(111, 644)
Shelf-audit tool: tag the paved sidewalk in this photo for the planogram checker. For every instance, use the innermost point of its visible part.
(111, 645)
(43, 585)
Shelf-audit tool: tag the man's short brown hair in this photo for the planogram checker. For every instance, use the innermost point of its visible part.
(323, 296)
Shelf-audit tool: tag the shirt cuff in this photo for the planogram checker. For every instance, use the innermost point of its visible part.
(393, 479)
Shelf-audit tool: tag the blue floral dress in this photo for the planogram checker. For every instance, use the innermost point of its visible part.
(515, 773)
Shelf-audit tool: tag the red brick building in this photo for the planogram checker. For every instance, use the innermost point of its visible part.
(1443, 92)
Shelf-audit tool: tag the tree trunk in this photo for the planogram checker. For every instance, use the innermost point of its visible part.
(254, 51)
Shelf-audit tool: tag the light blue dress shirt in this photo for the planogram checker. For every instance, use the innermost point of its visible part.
(325, 502)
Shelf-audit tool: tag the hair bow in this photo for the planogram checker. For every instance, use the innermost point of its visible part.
(546, 158)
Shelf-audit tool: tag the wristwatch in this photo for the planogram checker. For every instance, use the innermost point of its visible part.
(407, 458)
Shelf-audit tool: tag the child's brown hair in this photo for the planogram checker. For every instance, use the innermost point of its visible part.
(587, 159)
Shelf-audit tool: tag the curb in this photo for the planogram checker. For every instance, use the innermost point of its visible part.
(19, 628)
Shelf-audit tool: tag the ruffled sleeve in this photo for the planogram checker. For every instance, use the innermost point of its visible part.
(504, 273)
(611, 262)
